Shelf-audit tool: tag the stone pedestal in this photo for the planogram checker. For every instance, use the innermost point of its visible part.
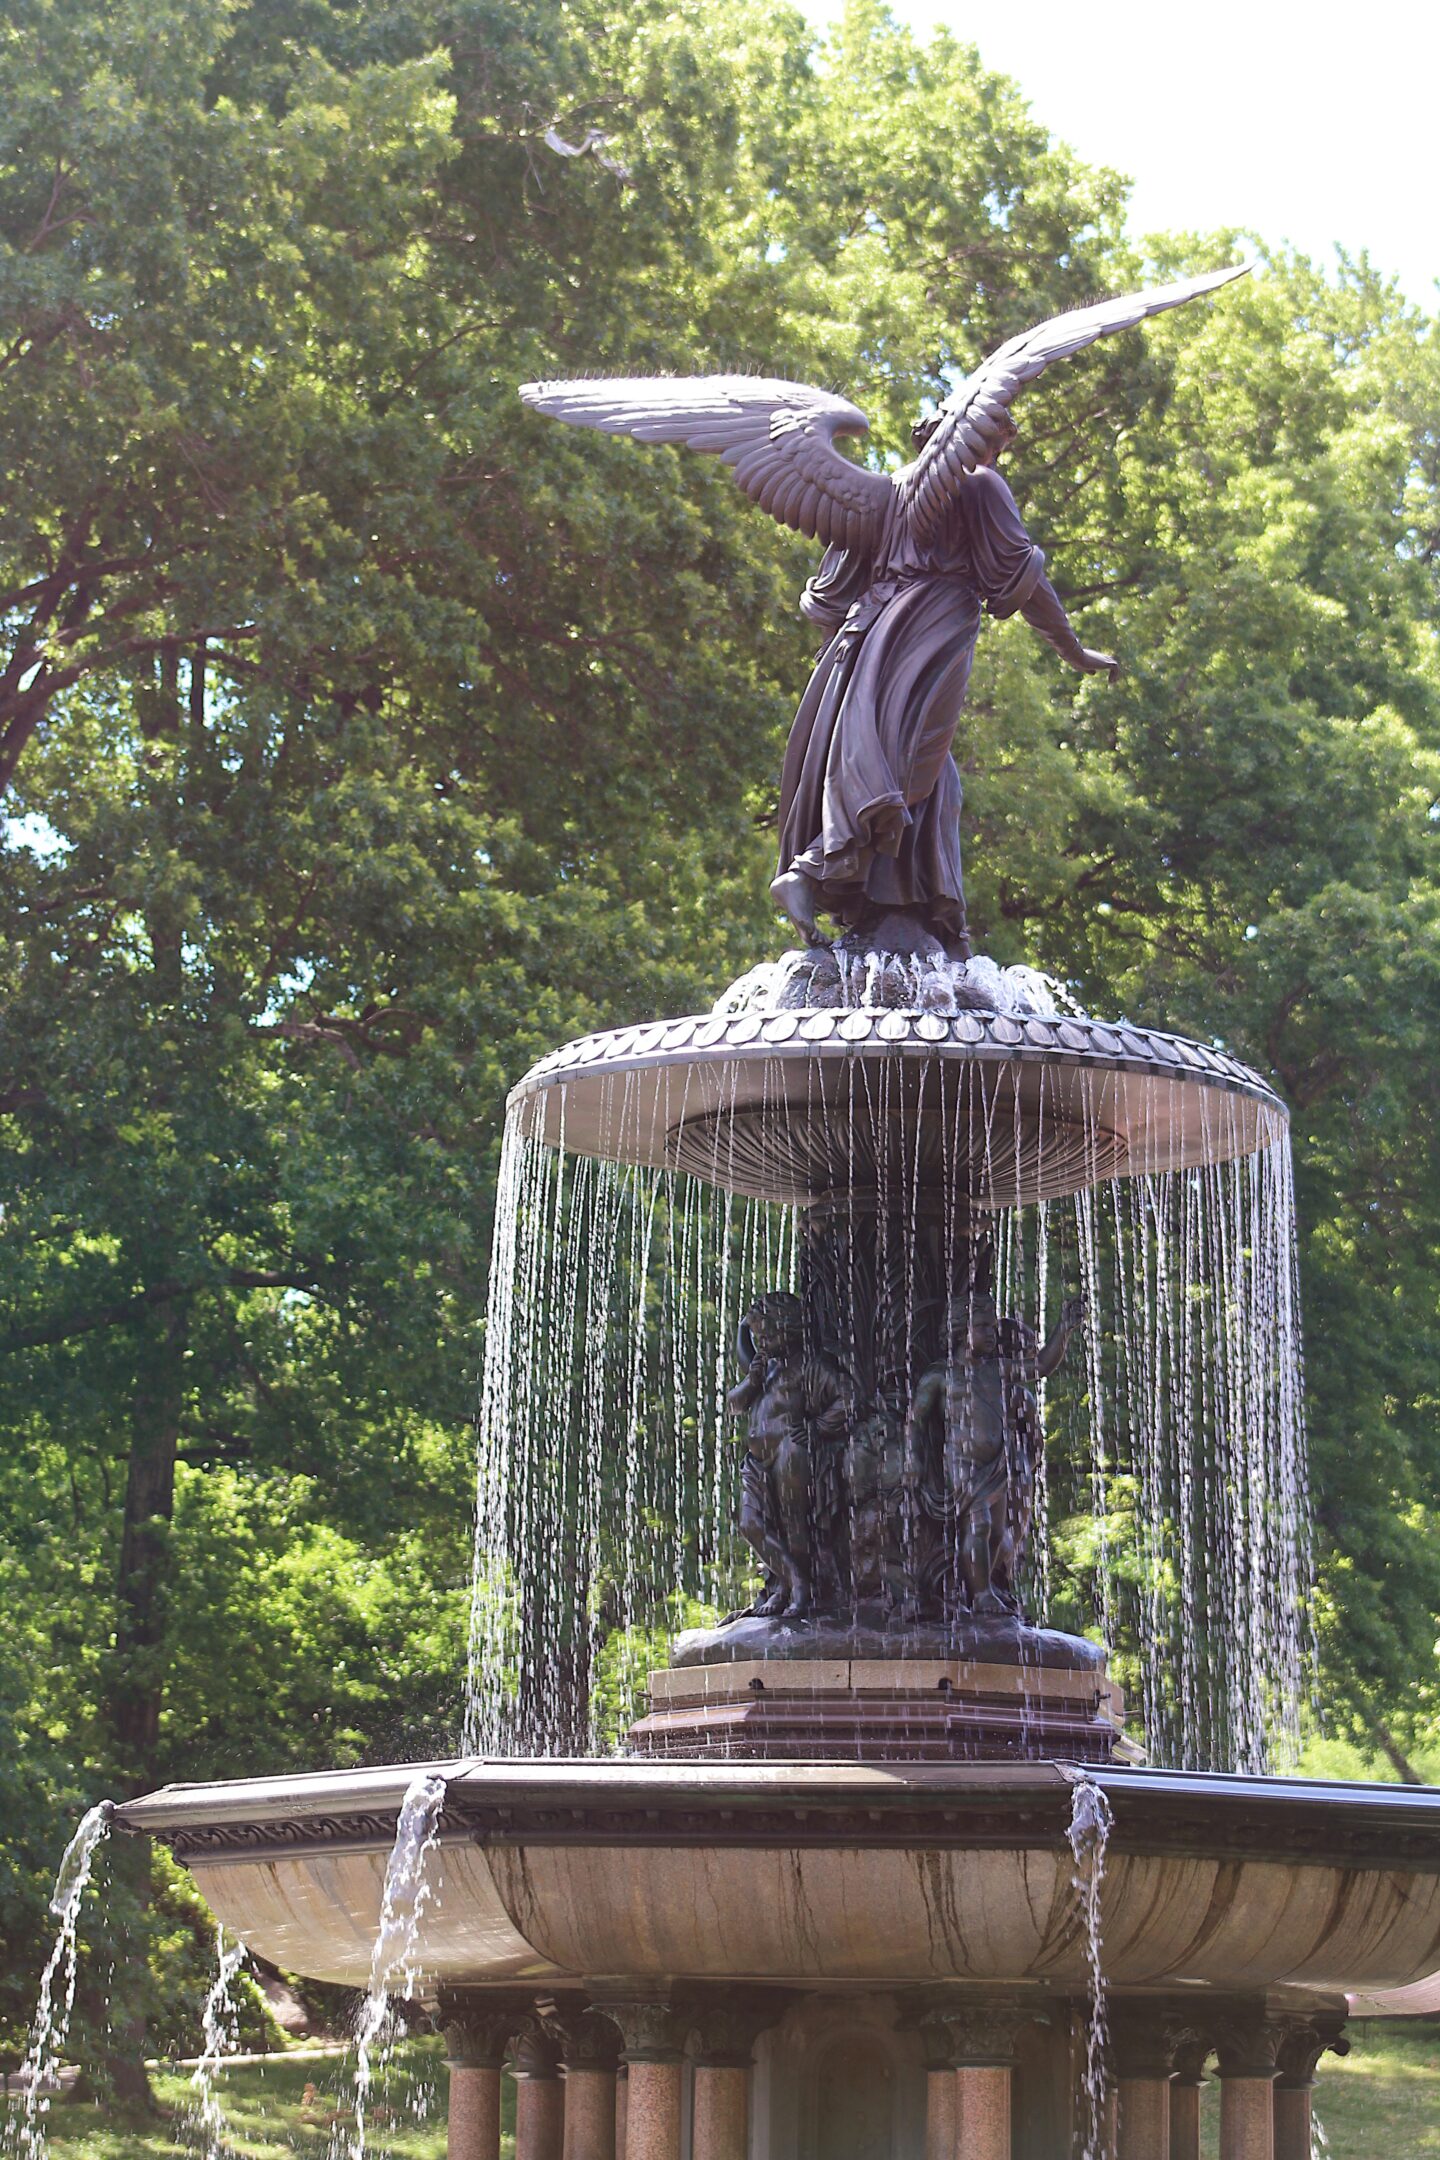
(1025, 1691)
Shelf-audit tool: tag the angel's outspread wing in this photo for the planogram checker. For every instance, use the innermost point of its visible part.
(778, 437)
(972, 420)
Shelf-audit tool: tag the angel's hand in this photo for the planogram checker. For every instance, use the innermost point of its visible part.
(1097, 663)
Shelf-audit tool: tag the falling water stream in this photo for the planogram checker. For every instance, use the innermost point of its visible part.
(608, 1467)
(51, 2026)
(392, 1961)
(220, 2026)
(1089, 1833)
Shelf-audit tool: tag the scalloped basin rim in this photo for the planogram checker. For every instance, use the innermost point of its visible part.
(772, 1104)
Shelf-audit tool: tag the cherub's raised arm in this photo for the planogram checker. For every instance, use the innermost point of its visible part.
(1072, 1314)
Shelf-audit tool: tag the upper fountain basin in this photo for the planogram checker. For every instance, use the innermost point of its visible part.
(799, 1105)
(556, 1871)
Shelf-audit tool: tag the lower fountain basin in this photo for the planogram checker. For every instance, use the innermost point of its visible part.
(839, 1874)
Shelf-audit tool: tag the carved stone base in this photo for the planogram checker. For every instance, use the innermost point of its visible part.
(883, 1710)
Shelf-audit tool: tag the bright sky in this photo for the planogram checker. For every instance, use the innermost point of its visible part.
(1308, 123)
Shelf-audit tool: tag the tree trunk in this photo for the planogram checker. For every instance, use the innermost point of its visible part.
(137, 1679)
(138, 1683)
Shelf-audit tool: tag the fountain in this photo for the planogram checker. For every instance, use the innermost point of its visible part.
(876, 1871)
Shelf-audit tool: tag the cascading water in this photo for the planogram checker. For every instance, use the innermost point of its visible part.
(220, 2028)
(1090, 1825)
(51, 2027)
(392, 1961)
(608, 1464)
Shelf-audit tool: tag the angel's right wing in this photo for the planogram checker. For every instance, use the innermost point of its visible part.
(777, 437)
(971, 422)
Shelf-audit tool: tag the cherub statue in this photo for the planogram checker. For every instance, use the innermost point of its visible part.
(798, 1408)
(870, 797)
(973, 1442)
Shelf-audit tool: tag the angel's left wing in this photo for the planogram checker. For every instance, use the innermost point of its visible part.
(778, 438)
(971, 422)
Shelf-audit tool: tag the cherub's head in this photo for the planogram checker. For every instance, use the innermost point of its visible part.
(775, 1322)
(971, 1321)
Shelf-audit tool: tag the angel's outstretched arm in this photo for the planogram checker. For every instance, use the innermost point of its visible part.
(1044, 612)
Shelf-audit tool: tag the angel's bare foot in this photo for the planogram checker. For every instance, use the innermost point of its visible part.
(798, 896)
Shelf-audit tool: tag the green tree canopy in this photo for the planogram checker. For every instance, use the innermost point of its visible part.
(365, 735)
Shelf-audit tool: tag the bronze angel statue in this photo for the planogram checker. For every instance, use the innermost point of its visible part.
(870, 798)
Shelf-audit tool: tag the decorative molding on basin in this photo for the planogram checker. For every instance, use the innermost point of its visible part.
(812, 1806)
(1115, 1045)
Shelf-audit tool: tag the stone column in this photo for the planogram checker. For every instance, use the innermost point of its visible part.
(539, 2099)
(726, 2026)
(478, 2029)
(622, 2108)
(589, 2045)
(1248, 2044)
(940, 2123)
(1305, 2041)
(982, 2040)
(652, 2034)
(1140, 2054)
(1190, 2053)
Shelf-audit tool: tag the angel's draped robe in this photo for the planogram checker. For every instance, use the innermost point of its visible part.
(870, 798)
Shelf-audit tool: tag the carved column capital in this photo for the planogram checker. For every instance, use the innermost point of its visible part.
(478, 2027)
(1306, 2040)
(1248, 2043)
(1191, 2047)
(537, 2052)
(1143, 2040)
(727, 2024)
(976, 2035)
(652, 2028)
(585, 2039)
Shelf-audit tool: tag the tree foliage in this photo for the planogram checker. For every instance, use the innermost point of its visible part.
(365, 735)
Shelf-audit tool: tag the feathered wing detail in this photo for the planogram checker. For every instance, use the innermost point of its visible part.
(971, 422)
(777, 437)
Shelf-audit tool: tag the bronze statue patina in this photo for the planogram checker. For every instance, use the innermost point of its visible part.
(973, 1444)
(798, 1410)
(870, 798)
